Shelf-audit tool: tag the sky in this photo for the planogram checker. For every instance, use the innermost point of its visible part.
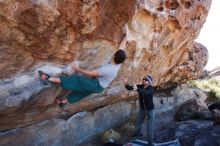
(209, 35)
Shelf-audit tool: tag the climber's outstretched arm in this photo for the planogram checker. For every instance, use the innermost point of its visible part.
(92, 73)
(123, 43)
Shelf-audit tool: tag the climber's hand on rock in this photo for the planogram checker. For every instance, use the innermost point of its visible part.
(75, 66)
(125, 80)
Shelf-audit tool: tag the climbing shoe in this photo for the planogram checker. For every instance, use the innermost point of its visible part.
(44, 77)
(61, 102)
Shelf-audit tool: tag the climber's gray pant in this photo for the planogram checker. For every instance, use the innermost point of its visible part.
(150, 124)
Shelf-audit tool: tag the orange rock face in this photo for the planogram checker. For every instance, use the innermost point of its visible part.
(54, 31)
(160, 35)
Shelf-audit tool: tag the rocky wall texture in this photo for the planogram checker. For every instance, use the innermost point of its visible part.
(72, 131)
(81, 127)
(161, 35)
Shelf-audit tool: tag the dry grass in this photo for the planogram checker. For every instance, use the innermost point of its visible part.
(212, 86)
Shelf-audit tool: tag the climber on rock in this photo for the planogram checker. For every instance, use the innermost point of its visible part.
(92, 82)
(145, 91)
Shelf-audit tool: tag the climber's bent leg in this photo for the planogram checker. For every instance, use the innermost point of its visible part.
(46, 77)
(54, 80)
(80, 84)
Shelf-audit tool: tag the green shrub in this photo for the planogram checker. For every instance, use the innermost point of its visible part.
(213, 95)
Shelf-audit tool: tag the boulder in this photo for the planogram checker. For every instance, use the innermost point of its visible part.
(193, 109)
(197, 133)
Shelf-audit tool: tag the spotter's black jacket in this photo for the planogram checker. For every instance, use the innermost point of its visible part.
(145, 96)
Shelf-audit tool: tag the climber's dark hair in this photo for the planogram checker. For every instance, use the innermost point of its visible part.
(120, 56)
